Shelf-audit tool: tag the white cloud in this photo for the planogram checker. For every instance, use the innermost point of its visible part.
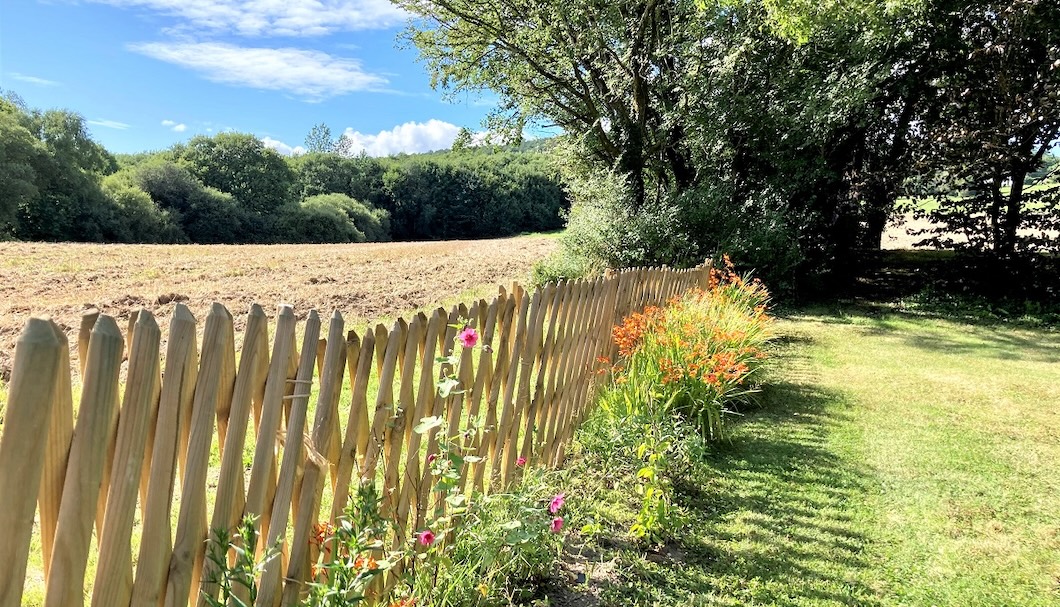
(411, 138)
(281, 147)
(110, 124)
(312, 75)
(33, 79)
(179, 128)
(168, 123)
(273, 17)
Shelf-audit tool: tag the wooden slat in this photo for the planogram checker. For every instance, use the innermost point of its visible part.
(527, 358)
(190, 541)
(565, 294)
(437, 407)
(114, 576)
(397, 430)
(424, 399)
(178, 387)
(483, 372)
(230, 498)
(84, 474)
(270, 584)
(330, 373)
(500, 370)
(583, 366)
(88, 321)
(555, 389)
(539, 411)
(32, 395)
(263, 468)
(384, 402)
(505, 424)
(355, 441)
(466, 375)
(567, 373)
(57, 451)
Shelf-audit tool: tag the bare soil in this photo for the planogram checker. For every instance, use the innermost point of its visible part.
(363, 281)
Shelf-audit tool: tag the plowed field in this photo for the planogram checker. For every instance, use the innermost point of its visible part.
(363, 281)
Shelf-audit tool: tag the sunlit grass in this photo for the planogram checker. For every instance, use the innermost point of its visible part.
(894, 461)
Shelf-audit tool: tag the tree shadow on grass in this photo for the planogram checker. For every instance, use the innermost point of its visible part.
(971, 339)
(776, 514)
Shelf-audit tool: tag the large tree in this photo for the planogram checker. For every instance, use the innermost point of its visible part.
(240, 164)
(999, 115)
(609, 73)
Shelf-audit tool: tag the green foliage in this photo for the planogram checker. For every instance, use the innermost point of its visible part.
(471, 194)
(139, 218)
(19, 154)
(237, 580)
(239, 164)
(204, 214)
(999, 115)
(682, 369)
(346, 564)
(320, 219)
(504, 548)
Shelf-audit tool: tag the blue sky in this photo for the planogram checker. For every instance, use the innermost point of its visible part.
(147, 74)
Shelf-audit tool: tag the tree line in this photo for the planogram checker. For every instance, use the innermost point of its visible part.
(60, 185)
(783, 132)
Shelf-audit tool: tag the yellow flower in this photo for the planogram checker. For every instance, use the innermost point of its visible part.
(484, 590)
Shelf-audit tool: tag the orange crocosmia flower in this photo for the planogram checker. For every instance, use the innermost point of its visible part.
(363, 562)
(321, 533)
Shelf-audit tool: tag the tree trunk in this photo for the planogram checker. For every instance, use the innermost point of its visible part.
(1013, 214)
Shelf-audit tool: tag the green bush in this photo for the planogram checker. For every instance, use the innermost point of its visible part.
(138, 218)
(373, 224)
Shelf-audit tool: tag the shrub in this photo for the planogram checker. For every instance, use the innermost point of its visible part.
(373, 223)
(137, 217)
(317, 223)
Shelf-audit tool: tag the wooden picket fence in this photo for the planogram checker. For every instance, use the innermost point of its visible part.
(530, 385)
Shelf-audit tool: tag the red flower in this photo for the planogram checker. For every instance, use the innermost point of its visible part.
(468, 337)
(426, 537)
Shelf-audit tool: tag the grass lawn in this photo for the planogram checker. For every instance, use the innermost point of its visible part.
(896, 460)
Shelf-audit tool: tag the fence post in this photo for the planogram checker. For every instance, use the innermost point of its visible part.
(178, 386)
(57, 451)
(269, 587)
(330, 373)
(114, 577)
(84, 474)
(30, 402)
(230, 494)
(355, 441)
(189, 546)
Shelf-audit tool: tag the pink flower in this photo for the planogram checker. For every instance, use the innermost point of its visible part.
(521, 461)
(468, 337)
(426, 537)
(556, 504)
(431, 458)
(557, 524)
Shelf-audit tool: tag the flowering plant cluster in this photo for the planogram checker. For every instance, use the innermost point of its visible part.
(702, 352)
(474, 547)
(685, 364)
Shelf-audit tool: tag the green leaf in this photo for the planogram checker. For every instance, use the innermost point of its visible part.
(446, 386)
(427, 424)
